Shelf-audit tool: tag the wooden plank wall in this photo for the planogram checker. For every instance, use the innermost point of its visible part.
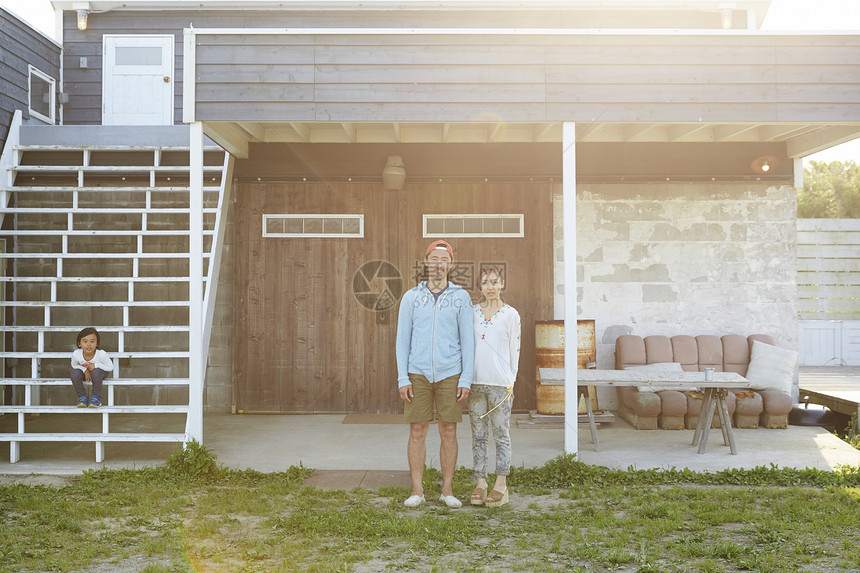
(304, 344)
(580, 77)
(21, 46)
(828, 269)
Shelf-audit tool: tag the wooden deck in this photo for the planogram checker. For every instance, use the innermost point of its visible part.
(836, 387)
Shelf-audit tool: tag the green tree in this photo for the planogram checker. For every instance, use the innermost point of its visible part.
(830, 191)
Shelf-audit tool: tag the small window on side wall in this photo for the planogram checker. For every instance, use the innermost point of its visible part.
(43, 96)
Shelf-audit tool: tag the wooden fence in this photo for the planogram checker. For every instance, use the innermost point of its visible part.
(828, 291)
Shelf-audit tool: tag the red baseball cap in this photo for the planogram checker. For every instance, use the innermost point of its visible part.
(440, 246)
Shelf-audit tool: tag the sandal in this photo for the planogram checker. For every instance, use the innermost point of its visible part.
(478, 496)
(497, 498)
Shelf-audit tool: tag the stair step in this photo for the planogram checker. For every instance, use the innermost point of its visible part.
(176, 279)
(112, 189)
(105, 211)
(100, 255)
(113, 355)
(93, 303)
(121, 148)
(90, 437)
(160, 328)
(107, 381)
(18, 409)
(109, 168)
(97, 232)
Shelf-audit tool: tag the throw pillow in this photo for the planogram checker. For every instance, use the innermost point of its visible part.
(657, 367)
(771, 368)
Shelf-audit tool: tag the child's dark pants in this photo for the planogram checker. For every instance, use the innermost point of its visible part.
(97, 375)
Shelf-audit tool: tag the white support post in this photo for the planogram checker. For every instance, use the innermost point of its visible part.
(798, 173)
(194, 423)
(568, 191)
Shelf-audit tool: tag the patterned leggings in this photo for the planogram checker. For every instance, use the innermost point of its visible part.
(482, 399)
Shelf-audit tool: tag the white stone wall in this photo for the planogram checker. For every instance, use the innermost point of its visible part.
(682, 258)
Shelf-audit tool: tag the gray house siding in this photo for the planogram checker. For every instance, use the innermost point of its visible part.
(582, 77)
(21, 46)
(258, 61)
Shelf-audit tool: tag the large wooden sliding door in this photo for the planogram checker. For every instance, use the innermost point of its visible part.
(306, 343)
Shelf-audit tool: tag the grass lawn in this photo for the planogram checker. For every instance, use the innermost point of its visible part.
(192, 515)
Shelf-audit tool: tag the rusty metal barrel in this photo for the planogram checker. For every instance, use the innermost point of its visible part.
(549, 353)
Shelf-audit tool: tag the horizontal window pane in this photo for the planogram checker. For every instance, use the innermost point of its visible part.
(295, 226)
(274, 225)
(351, 226)
(512, 225)
(493, 225)
(473, 225)
(453, 225)
(138, 56)
(40, 95)
(314, 226)
(435, 227)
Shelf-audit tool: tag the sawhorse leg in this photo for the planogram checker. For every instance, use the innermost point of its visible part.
(706, 416)
(725, 420)
(583, 391)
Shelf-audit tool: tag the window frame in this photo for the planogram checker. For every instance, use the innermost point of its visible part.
(52, 105)
(303, 235)
(428, 216)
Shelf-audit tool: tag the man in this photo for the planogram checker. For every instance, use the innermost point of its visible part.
(435, 358)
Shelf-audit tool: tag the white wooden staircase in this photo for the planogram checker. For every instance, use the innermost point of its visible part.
(98, 235)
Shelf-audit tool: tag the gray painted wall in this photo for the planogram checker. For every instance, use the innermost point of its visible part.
(84, 83)
(583, 78)
(673, 77)
(21, 46)
(682, 258)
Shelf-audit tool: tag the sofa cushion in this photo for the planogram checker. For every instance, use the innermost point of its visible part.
(710, 349)
(658, 348)
(657, 367)
(771, 367)
(685, 352)
(629, 351)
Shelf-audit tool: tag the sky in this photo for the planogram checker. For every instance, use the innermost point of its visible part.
(795, 15)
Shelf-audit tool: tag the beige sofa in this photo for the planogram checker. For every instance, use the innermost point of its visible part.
(673, 410)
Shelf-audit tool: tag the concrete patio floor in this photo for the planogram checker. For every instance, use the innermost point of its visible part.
(273, 443)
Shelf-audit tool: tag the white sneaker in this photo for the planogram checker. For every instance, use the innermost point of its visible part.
(414, 501)
(450, 501)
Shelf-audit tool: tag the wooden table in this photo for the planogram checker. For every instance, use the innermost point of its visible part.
(714, 394)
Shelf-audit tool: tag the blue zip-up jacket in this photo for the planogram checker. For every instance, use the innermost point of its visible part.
(435, 338)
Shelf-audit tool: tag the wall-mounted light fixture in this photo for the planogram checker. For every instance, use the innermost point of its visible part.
(765, 164)
(394, 175)
(82, 19)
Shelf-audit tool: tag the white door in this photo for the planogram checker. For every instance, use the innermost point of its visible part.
(138, 80)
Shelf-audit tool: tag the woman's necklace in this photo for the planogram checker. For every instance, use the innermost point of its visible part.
(488, 322)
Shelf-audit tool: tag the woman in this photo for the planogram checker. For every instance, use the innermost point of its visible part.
(497, 355)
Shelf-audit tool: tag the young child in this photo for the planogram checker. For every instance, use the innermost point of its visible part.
(90, 363)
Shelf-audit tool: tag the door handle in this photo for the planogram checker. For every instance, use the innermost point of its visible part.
(167, 79)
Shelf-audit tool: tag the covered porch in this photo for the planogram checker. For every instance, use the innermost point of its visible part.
(324, 442)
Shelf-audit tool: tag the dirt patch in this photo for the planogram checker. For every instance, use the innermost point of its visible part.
(36, 479)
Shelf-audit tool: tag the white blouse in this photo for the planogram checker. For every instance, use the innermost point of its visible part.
(100, 360)
(497, 347)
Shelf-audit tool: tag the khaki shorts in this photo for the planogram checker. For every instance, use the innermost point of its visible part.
(444, 392)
